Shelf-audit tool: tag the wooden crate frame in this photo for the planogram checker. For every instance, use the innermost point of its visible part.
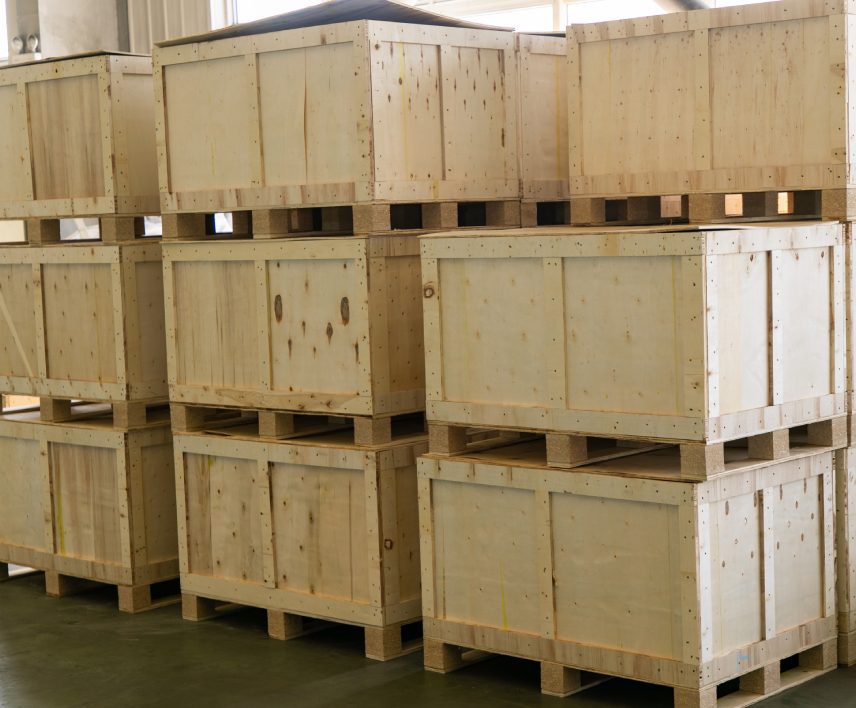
(135, 346)
(373, 178)
(542, 62)
(382, 307)
(698, 416)
(703, 657)
(691, 40)
(845, 534)
(386, 605)
(138, 566)
(127, 169)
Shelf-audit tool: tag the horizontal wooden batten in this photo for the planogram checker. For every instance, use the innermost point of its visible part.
(84, 500)
(707, 125)
(80, 131)
(400, 113)
(326, 325)
(700, 334)
(621, 569)
(83, 321)
(262, 524)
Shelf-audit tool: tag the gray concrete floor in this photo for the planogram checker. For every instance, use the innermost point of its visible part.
(80, 651)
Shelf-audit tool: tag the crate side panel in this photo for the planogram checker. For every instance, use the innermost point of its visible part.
(737, 589)
(319, 524)
(621, 539)
(408, 141)
(22, 502)
(798, 554)
(786, 96)
(485, 561)
(317, 337)
(159, 502)
(136, 116)
(404, 319)
(209, 124)
(87, 500)
(475, 116)
(224, 530)
(806, 315)
(79, 321)
(18, 343)
(15, 182)
(66, 137)
(494, 330)
(627, 127)
(216, 316)
(743, 302)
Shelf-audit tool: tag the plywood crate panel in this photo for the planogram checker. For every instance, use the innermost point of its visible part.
(643, 333)
(88, 501)
(845, 520)
(329, 325)
(727, 100)
(314, 527)
(337, 114)
(79, 132)
(543, 117)
(622, 570)
(83, 322)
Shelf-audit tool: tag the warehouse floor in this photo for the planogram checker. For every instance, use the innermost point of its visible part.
(80, 651)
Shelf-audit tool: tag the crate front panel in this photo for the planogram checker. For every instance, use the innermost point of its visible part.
(80, 329)
(18, 332)
(291, 526)
(845, 537)
(789, 127)
(694, 574)
(24, 521)
(67, 154)
(661, 335)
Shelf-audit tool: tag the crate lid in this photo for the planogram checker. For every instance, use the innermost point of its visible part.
(71, 57)
(332, 12)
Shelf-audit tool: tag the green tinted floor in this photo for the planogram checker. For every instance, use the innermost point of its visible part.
(80, 651)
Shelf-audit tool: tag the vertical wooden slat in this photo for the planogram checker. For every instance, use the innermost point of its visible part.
(426, 537)
(170, 322)
(827, 483)
(554, 346)
(775, 328)
(768, 545)
(575, 113)
(39, 311)
(45, 467)
(26, 159)
(431, 324)
(263, 317)
(123, 303)
(387, 503)
(263, 491)
(711, 275)
(838, 320)
(123, 483)
(703, 130)
(181, 508)
(373, 535)
(544, 541)
(108, 148)
(254, 121)
(136, 496)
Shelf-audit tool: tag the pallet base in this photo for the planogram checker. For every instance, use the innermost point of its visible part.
(348, 219)
(125, 414)
(381, 643)
(754, 686)
(286, 425)
(708, 207)
(111, 229)
(847, 648)
(699, 461)
(132, 598)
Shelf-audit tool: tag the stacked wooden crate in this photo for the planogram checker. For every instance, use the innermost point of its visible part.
(88, 479)
(775, 139)
(295, 345)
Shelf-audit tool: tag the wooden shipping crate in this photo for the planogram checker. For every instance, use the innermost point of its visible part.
(86, 501)
(728, 100)
(684, 334)
(845, 533)
(351, 112)
(329, 325)
(314, 528)
(542, 61)
(79, 137)
(83, 322)
(622, 570)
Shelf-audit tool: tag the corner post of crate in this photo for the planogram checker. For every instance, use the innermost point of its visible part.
(696, 578)
(845, 494)
(374, 532)
(424, 468)
(41, 231)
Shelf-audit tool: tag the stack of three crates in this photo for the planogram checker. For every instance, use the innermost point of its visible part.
(295, 343)
(708, 565)
(87, 477)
